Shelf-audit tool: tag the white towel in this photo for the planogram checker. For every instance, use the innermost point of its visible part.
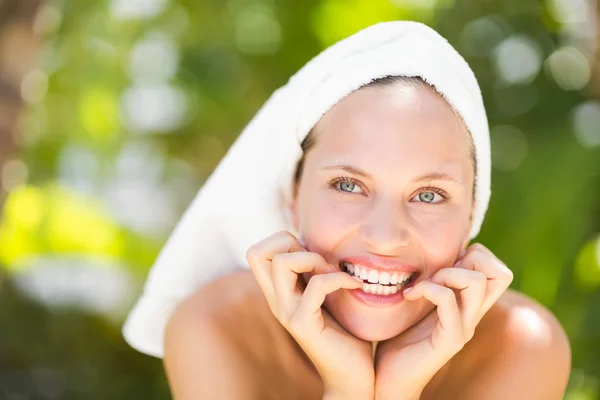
(243, 200)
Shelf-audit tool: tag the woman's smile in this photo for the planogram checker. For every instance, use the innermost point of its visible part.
(383, 279)
(379, 282)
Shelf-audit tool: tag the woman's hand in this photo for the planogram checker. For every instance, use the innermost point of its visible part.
(344, 362)
(405, 364)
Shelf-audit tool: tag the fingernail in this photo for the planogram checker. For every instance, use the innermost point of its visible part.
(456, 264)
(407, 290)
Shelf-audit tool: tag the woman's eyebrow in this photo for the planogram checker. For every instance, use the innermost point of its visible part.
(430, 176)
(350, 169)
(436, 176)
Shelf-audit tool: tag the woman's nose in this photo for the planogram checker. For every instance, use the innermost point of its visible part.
(386, 229)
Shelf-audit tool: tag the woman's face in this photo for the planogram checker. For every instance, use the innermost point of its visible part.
(389, 181)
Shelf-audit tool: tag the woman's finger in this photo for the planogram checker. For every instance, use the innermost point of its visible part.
(447, 308)
(260, 255)
(471, 286)
(285, 270)
(479, 258)
(318, 287)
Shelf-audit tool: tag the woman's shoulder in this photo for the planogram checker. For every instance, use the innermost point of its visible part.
(519, 344)
(226, 329)
(520, 322)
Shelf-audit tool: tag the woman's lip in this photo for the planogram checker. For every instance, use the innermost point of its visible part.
(377, 300)
(380, 263)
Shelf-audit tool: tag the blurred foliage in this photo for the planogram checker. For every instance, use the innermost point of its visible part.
(132, 103)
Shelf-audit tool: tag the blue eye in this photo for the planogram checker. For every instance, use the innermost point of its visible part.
(349, 187)
(427, 196)
(345, 185)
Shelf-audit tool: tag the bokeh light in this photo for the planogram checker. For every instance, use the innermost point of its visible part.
(518, 59)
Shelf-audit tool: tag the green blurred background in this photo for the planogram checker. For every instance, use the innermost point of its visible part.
(114, 112)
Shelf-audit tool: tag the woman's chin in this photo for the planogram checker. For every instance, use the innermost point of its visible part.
(372, 325)
(373, 330)
(373, 336)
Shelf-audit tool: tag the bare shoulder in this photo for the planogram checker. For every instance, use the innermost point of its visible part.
(521, 324)
(225, 332)
(229, 312)
(519, 351)
(202, 343)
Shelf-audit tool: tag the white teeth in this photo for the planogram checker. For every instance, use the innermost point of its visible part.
(379, 282)
(364, 273)
(373, 276)
(384, 278)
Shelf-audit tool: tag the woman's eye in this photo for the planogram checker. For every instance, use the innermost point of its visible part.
(428, 197)
(345, 185)
(348, 187)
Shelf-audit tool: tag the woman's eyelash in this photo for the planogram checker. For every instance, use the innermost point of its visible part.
(342, 178)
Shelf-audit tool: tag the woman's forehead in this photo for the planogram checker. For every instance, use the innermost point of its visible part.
(408, 122)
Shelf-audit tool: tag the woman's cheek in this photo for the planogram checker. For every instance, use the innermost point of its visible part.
(329, 221)
(440, 240)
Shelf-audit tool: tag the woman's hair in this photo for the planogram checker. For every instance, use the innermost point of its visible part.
(387, 81)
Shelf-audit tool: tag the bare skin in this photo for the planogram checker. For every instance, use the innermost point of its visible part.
(226, 344)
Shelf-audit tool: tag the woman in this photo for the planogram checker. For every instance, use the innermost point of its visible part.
(372, 291)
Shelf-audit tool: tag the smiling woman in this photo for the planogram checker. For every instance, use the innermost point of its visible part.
(364, 179)
(389, 173)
